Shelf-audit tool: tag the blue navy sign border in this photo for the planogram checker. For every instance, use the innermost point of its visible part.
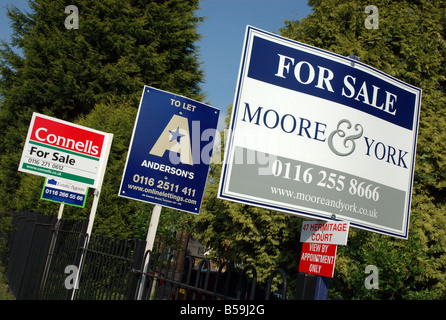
(170, 150)
(385, 94)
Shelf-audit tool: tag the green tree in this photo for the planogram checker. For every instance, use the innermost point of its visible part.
(93, 75)
(117, 216)
(410, 45)
(245, 234)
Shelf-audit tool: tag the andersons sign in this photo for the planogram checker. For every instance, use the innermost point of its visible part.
(320, 135)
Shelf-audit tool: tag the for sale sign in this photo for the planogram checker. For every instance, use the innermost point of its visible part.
(56, 148)
(322, 136)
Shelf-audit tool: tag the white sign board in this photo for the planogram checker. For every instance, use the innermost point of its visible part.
(330, 232)
(322, 136)
(58, 149)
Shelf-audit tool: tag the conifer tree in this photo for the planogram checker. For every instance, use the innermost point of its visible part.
(409, 44)
(244, 234)
(77, 68)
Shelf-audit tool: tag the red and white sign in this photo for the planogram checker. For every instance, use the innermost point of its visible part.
(56, 148)
(330, 232)
(67, 136)
(318, 259)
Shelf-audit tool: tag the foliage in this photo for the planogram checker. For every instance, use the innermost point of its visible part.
(94, 76)
(246, 235)
(5, 294)
(410, 45)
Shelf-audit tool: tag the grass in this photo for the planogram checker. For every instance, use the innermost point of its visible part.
(4, 291)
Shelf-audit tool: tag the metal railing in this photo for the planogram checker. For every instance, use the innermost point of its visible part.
(41, 248)
(29, 246)
(68, 238)
(106, 269)
(196, 280)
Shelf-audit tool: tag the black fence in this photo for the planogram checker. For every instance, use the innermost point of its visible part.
(29, 244)
(55, 260)
(68, 239)
(199, 282)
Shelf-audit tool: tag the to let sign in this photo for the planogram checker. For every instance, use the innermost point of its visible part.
(318, 259)
(330, 232)
(170, 151)
(60, 149)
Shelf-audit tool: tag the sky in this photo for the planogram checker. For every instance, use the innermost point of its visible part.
(222, 34)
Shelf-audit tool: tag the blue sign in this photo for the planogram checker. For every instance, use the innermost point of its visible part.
(330, 77)
(170, 151)
(66, 192)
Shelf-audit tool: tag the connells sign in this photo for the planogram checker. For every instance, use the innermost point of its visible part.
(59, 149)
(319, 135)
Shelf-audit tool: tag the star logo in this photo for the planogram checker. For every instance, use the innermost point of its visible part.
(175, 135)
(175, 138)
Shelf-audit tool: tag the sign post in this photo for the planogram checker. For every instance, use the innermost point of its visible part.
(94, 206)
(59, 149)
(150, 240)
(98, 188)
(315, 135)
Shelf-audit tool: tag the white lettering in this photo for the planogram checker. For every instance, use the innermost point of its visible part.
(283, 66)
(349, 86)
(37, 134)
(71, 280)
(326, 80)
(371, 281)
(72, 21)
(81, 146)
(192, 310)
(305, 73)
(390, 99)
(363, 95)
(310, 72)
(372, 21)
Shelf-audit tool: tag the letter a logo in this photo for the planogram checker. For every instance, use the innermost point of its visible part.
(176, 138)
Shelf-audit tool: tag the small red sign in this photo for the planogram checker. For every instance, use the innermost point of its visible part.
(318, 259)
